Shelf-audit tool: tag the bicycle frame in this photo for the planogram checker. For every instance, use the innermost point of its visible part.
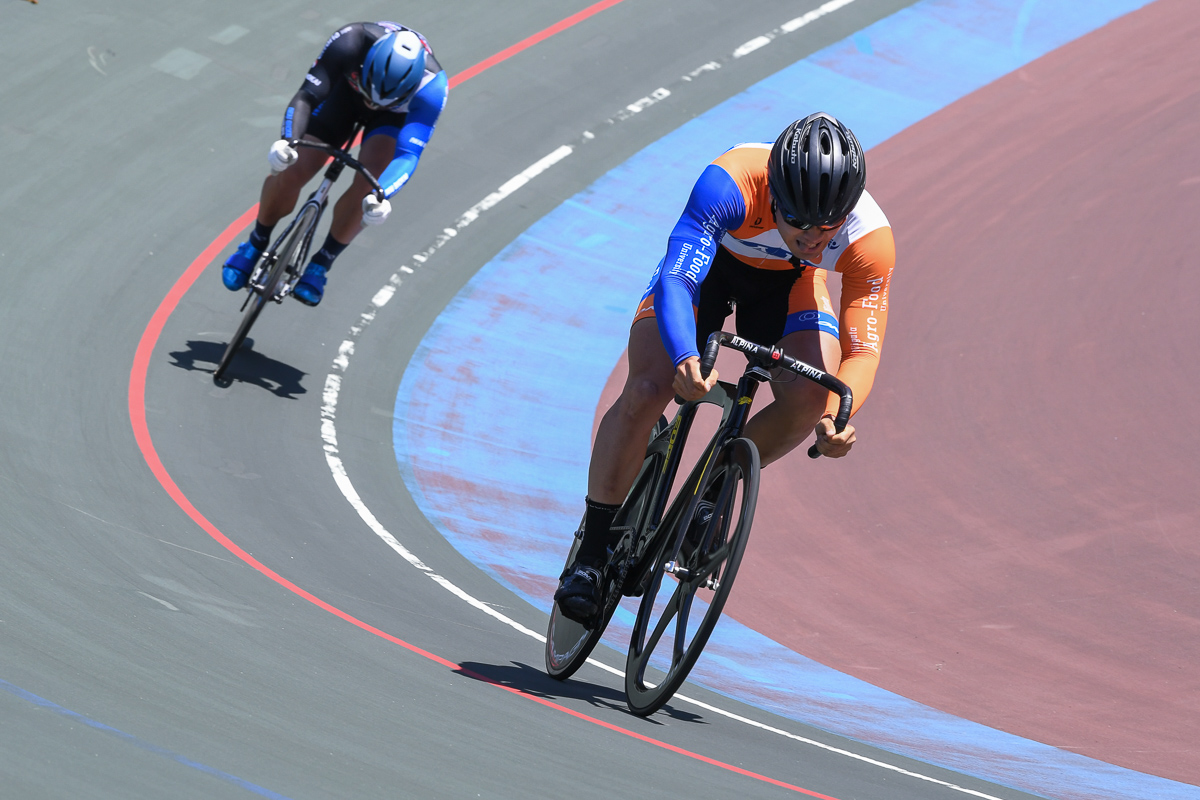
(735, 402)
(317, 201)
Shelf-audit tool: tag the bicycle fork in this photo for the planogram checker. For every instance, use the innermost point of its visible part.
(746, 389)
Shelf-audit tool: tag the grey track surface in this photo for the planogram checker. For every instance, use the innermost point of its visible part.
(115, 606)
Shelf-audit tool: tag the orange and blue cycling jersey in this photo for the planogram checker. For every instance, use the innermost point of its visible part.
(730, 208)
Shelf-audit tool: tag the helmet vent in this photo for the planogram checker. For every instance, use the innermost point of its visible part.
(815, 171)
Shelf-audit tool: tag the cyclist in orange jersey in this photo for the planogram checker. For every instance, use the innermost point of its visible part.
(762, 226)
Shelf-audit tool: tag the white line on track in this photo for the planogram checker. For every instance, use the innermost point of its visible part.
(341, 363)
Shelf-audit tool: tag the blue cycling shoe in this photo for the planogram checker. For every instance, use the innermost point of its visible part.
(239, 266)
(311, 286)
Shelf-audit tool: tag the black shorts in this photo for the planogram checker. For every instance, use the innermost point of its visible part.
(332, 120)
(758, 296)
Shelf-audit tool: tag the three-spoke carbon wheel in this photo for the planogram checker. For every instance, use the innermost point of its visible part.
(684, 598)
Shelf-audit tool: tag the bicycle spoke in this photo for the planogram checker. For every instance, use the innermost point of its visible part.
(668, 614)
(681, 621)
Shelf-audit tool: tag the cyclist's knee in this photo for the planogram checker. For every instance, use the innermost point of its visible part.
(800, 396)
(801, 409)
(280, 192)
(644, 398)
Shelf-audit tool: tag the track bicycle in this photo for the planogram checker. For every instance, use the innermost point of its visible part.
(697, 539)
(282, 265)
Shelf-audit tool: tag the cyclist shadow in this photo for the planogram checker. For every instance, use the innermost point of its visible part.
(248, 366)
(532, 681)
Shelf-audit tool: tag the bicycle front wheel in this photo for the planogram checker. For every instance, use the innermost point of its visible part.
(254, 307)
(677, 616)
(289, 266)
(281, 260)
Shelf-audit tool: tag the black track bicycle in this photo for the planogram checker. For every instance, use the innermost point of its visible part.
(283, 263)
(680, 555)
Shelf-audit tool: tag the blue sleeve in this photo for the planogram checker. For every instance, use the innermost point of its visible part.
(715, 206)
(423, 112)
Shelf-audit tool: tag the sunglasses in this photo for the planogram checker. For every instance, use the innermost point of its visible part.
(792, 222)
(804, 226)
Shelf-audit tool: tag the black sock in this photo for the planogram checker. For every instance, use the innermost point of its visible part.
(328, 252)
(593, 550)
(261, 235)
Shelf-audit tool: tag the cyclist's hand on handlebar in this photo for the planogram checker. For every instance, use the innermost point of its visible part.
(830, 443)
(281, 155)
(688, 384)
(375, 211)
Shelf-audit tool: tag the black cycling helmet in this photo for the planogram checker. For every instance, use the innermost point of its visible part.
(816, 171)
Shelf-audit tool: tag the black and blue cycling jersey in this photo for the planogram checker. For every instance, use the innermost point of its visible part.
(328, 103)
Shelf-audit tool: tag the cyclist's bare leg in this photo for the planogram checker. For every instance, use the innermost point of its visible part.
(281, 190)
(782, 426)
(375, 154)
(621, 439)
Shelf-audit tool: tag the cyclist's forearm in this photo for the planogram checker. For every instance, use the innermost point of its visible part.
(414, 136)
(685, 267)
(398, 173)
(857, 372)
(676, 319)
(295, 118)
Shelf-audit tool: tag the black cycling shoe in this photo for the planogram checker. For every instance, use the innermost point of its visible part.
(579, 594)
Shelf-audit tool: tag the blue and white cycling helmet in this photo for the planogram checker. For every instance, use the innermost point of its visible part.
(393, 68)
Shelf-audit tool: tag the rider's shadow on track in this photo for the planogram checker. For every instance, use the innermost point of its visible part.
(535, 682)
(248, 366)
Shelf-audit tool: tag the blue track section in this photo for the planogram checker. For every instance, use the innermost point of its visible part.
(503, 473)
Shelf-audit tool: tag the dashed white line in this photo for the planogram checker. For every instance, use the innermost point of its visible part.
(751, 46)
(814, 15)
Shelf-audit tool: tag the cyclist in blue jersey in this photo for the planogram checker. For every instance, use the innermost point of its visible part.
(382, 74)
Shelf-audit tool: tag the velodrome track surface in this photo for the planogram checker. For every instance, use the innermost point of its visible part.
(119, 610)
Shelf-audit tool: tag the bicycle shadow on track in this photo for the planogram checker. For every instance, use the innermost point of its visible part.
(247, 366)
(535, 682)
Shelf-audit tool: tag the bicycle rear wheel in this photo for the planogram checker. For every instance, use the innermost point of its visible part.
(666, 640)
(569, 643)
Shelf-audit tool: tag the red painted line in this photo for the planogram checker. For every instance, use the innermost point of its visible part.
(509, 52)
(141, 433)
